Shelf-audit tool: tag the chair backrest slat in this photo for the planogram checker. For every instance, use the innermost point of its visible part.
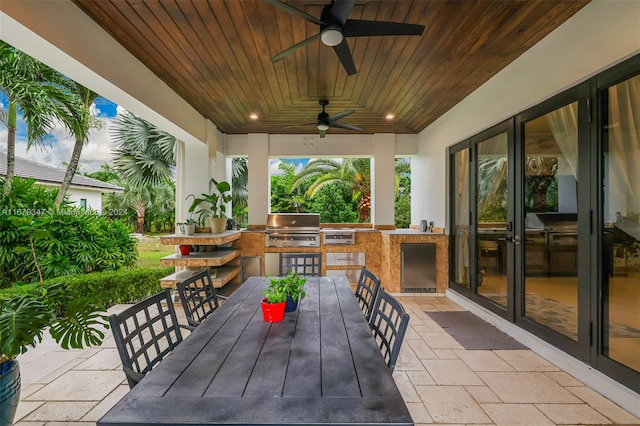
(304, 264)
(367, 291)
(145, 334)
(389, 323)
(198, 296)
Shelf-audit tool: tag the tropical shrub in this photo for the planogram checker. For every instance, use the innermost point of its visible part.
(104, 289)
(67, 241)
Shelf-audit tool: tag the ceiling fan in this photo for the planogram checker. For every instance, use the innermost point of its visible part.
(335, 27)
(325, 120)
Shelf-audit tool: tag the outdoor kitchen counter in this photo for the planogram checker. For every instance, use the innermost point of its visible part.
(381, 248)
(405, 231)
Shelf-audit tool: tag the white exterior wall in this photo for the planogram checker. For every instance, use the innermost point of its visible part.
(600, 35)
(94, 198)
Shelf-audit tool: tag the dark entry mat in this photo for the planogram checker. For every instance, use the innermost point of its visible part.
(472, 332)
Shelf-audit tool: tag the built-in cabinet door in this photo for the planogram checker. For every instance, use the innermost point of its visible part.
(553, 221)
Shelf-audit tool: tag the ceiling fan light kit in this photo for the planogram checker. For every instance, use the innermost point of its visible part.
(331, 36)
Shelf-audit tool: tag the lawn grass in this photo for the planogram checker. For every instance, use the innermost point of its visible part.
(150, 251)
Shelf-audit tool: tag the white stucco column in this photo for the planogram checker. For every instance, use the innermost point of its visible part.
(383, 180)
(258, 185)
(192, 175)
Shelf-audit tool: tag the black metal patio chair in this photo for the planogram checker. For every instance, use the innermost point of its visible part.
(145, 334)
(389, 323)
(198, 296)
(305, 264)
(367, 291)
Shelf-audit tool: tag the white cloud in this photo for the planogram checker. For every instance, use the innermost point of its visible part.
(95, 153)
(273, 168)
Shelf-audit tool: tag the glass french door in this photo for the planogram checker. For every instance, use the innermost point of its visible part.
(553, 221)
(545, 218)
(618, 351)
(493, 224)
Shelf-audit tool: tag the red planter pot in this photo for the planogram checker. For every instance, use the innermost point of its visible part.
(185, 250)
(273, 312)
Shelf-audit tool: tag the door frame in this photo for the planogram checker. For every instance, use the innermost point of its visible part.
(619, 372)
(580, 94)
(507, 127)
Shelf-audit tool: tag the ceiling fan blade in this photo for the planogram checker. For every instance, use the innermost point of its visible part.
(345, 126)
(304, 112)
(340, 10)
(299, 125)
(294, 11)
(323, 133)
(360, 28)
(344, 54)
(295, 47)
(340, 115)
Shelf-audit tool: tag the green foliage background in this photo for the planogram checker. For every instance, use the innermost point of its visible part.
(78, 241)
(334, 202)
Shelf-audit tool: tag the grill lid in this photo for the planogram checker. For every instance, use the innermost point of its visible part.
(293, 222)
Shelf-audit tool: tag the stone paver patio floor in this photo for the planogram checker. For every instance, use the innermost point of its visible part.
(441, 382)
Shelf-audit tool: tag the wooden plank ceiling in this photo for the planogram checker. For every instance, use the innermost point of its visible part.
(216, 55)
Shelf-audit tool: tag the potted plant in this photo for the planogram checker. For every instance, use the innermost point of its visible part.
(274, 302)
(187, 227)
(73, 321)
(213, 205)
(292, 285)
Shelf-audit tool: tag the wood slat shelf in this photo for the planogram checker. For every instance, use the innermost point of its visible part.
(224, 274)
(208, 258)
(201, 239)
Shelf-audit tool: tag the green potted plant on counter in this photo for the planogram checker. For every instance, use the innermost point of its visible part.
(188, 227)
(213, 205)
(274, 302)
(292, 285)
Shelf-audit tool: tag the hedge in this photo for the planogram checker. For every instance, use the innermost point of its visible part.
(108, 288)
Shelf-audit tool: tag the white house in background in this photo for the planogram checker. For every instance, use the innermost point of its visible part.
(83, 191)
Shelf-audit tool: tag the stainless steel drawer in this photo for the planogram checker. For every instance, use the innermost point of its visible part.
(353, 275)
(348, 258)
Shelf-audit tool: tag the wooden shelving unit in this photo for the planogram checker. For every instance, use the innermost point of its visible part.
(218, 260)
(224, 274)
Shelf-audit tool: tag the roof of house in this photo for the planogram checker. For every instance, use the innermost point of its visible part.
(50, 175)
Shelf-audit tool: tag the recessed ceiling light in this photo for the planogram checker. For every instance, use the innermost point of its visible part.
(390, 117)
(253, 116)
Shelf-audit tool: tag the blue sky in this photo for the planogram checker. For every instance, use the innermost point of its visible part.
(60, 144)
(96, 152)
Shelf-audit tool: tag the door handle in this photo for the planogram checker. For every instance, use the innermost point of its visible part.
(515, 239)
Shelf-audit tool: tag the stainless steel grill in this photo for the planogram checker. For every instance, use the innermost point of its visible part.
(292, 230)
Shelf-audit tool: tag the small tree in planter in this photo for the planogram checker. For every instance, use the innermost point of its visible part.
(72, 322)
(213, 205)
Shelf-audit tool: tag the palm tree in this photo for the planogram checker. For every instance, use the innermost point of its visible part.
(83, 122)
(36, 90)
(137, 197)
(146, 154)
(355, 172)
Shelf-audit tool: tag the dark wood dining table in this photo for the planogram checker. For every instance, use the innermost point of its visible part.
(319, 366)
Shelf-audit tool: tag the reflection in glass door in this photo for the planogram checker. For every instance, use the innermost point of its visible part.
(461, 218)
(550, 240)
(621, 224)
(492, 196)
